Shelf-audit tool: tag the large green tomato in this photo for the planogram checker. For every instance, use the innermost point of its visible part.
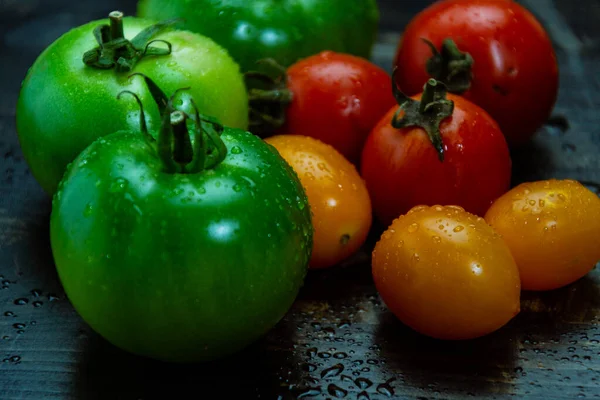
(65, 104)
(285, 30)
(181, 253)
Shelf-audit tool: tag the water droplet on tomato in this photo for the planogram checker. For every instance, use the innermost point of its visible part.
(37, 304)
(412, 228)
(436, 239)
(9, 314)
(236, 150)
(118, 185)
(237, 187)
(459, 228)
(88, 210)
(19, 326)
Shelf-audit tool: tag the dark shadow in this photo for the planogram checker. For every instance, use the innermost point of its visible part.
(531, 161)
(467, 368)
(577, 303)
(353, 275)
(106, 372)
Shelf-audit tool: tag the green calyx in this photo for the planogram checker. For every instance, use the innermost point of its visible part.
(115, 51)
(268, 97)
(450, 66)
(173, 144)
(428, 113)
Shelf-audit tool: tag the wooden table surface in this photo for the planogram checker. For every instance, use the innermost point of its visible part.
(338, 341)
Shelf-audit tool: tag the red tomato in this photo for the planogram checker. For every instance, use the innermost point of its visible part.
(514, 73)
(336, 98)
(401, 167)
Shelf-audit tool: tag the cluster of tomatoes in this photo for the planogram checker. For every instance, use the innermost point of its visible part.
(198, 174)
(432, 155)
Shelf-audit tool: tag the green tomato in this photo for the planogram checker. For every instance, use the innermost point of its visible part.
(178, 252)
(65, 104)
(283, 30)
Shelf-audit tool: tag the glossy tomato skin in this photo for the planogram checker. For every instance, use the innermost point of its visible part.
(552, 228)
(337, 98)
(515, 71)
(446, 274)
(64, 105)
(401, 167)
(283, 30)
(338, 197)
(180, 267)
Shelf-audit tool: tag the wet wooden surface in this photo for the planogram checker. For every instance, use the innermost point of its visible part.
(338, 341)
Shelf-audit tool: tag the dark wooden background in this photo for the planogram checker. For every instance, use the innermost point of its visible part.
(338, 341)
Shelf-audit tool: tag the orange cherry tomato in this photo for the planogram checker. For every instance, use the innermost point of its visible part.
(552, 228)
(445, 273)
(337, 195)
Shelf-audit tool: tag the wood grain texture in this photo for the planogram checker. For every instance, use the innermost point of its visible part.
(338, 341)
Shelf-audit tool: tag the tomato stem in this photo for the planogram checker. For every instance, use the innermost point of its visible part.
(116, 25)
(450, 66)
(182, 145)
(143, 125)
(268, 97)
(115, 51)
(174, 145)
(428, 113)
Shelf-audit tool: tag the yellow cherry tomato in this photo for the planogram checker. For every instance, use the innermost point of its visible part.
(445, 273)
(337, 195)
(552, 228)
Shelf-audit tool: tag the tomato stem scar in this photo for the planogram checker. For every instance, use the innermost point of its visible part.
(450, 66)
(428, 113)
(115, 51)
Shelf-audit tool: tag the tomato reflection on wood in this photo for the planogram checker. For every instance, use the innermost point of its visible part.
(186, 251)
(493, 52)
(435, 148)
(68, 97)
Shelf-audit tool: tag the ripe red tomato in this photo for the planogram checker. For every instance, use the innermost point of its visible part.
(446, 273)
(401, 168)
(510, 70)
(336, 98)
